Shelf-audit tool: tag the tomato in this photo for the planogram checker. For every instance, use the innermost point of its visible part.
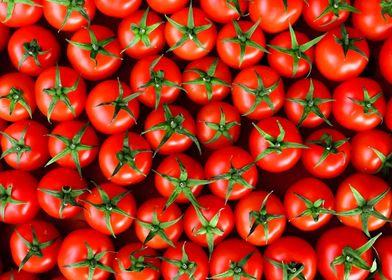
(167, 6)
(33, 49)
(125, 158)
(385, 61)
(141, 33)
(158, 78)
(363, 201)
(94, 52)
(18, 202)
(383, 247)
(73, 144)
(86, 254)
(109, 208)
(20, 13)
(291, 256)
(344, 252)
(359, 104)
(35, 245)
(240, 44)
(309, 204)
(232, 173)
(69, 15)
(328, 155)
(388, 115)
(158, 226)
(60, 93)
(260, 218)
(209, 225)
(366, 147)
(374, 19)
(308, 103)
(274, 16)
(342, 54)
(136, 262)
(16, 97)
(258, 92)
(236, 259)
(25, 145)
(229, 10)
(190, 34)
(218, 125)
(275, 144)
(207, 79)
(117, 8)
(18, 275)
(111, 107)
(4, 36)
(60, 193)
(170, 129)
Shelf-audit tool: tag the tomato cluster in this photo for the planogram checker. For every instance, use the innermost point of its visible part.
(206, 139)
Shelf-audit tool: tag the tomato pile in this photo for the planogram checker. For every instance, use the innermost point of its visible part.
(205, 139)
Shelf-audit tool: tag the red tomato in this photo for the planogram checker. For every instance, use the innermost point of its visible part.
(117, 8)
(309, 204)
(20, 13)
(4, 36)
(383, 246)
(388, 115)
(18, 275)
(35, 245)
(229, 10)
(167, 6)
(385, 61)
(258, 92)
(359, 104)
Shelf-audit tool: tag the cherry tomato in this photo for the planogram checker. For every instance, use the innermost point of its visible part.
(228, 10)
(18, 275)
(385, 61)
(117, 8)
(167, 6)
(20, 13)
(383, 247)
(388, 115)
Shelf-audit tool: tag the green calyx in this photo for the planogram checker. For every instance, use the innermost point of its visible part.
(18, 146)
(386, 8)
(31, 49)
(235, 5)
(386, 161)
(335, 7)
(138, 264)
(236, 270)
(290, 271)
(72, 6)
(313, 208)
(329, 146)
(184, 266)
(367, 103)
(11, 5)
(15, 96)
(6, 198)
(348, 43)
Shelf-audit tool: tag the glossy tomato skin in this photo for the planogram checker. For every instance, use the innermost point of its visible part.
(101, 116)
(290, 249)
(388, 115)
(117, 8)
(47, 42)
(364, 159)
(145, 213)
(385, 61)
(22, 15)
(230, 52)
(331, 61)
(104, 66)
(351, 115)
(167, 6)
(25, 85)
(383, 246)
(18, 275)
(68, 78)
(55, 180)
(244, 100)
(371, 21)
(73, 250)
(369, 186)
(273, 15)
(334, 164)
(4, 36)
(55, 15)
(127, 175)
(233, 250)
(45, 232)
(312, 189)
(23, 189)
(219, 163)
(211, 113)
(226, 12)
(331, 244)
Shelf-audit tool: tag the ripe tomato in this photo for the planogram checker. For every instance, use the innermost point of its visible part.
(342, 54)
(18, 202)
(60, 192)
(117, 8)
(35, 245)
(4, 36)
(363, 201)
(229, 10)
(86, 252)
(232, 173)
(309, 204)
(60, 93)
(158, 226)
(328, 155)
(384, 61)
(141, 33)
(111, 107)
(218, 125)
(25, 145)
(167, 6)
(291, 256)
(359, 104)
(32, 49)
(18, 275)
(94, 52)
(20, 13)
(275, 144)
(258, 92)
(236, 259)
(16, 97)
(240, 44)
(383, 246)
(388, 115)
(275, 15)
